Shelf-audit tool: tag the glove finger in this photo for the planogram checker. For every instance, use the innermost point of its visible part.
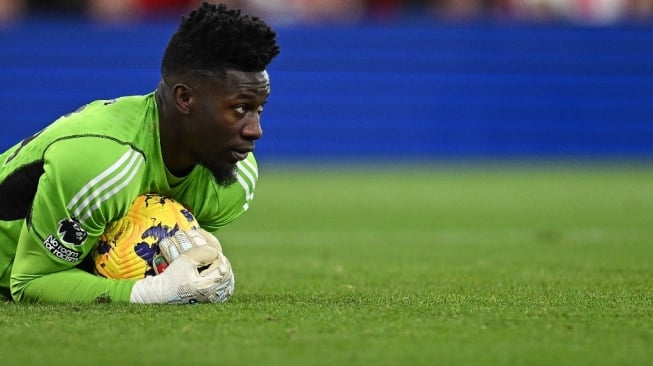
(217, 292)
(225, 290)
(208, 238)
(218, 268)
(184, 240)
(202, 256)
(171, 247)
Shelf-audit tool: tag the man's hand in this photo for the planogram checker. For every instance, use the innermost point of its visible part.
(198, 272)
(170, 248)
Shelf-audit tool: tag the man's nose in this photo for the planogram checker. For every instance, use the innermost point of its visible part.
(253, 130)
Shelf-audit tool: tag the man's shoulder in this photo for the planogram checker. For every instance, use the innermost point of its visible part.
(122, 121)
(119, 110)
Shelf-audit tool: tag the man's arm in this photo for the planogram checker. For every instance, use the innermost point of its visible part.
(200, 274)
(74, 200)
(37, 276)
(72, 285)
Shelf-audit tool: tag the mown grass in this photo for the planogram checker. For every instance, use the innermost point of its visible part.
(374, 265)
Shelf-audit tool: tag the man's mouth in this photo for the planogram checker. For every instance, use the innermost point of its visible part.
(240, 154)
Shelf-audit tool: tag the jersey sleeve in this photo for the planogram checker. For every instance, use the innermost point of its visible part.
(87, 182)
(33, 279)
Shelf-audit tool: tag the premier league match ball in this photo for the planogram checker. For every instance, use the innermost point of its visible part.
(129, 247)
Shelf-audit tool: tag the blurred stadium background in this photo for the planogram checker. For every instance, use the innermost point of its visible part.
(545, 262)
(370, 80)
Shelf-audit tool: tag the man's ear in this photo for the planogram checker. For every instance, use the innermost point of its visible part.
(183, 98)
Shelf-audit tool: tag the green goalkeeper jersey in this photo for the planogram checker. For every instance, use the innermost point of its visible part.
(62, 186)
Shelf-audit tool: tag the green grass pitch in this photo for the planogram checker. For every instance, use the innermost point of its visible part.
(372, 265)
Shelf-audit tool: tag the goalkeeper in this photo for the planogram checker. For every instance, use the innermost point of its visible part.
(191, 139)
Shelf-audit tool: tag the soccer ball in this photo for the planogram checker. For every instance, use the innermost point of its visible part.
(129, 247)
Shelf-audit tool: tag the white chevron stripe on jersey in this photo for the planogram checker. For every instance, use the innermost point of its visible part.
(101, 176)
(128, 162)
(250, 165)
(246, 180)
(249, 195)
(113, 192)
(242, 169)
(96, 189)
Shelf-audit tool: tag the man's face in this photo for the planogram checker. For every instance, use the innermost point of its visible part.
(226, 121)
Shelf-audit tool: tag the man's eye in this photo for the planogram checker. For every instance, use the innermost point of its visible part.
(242, 109)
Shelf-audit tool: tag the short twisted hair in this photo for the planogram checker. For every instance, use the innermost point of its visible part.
(213, 38)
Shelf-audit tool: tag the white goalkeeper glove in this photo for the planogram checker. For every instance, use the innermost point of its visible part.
(198, 272)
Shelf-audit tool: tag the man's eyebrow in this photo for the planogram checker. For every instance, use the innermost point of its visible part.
(247, 94)
(243, 95)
